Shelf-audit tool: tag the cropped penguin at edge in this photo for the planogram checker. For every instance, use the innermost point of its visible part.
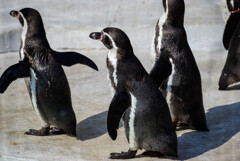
(232, 22)
(175, 70)
(147, 121)
(44, 76)
(231, 38)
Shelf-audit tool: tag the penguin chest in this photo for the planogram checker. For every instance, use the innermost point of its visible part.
(33, 88)
(170, 83)
(132, 133)
(158, 39)
(160, 26)
(23, 37)
(112, 67)
(173, 84)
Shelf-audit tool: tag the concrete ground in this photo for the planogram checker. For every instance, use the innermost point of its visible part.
(68, 25)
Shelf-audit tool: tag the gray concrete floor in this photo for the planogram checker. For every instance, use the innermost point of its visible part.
(68, 25)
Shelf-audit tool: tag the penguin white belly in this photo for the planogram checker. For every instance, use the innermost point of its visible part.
(132, 136)
(170, 83)
(112, 57)
(33, 85)
(161, 23)
(153, 52)
(112, 90)
(160, 36)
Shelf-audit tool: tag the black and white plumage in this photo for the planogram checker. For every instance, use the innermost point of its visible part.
(231, 71)
(45, 78)
(175, 70)
(137, 100)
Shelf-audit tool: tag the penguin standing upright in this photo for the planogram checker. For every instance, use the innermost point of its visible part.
(48, 86)
(175, 70)
(147, 122)
(231, 71)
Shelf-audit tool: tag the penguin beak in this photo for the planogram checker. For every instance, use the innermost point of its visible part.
(97, 36)
(15, 14)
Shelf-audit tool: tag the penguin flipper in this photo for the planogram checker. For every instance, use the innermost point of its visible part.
(161, 69)
(19, 70)
(72, 58)
(230, 28)
(120, 103)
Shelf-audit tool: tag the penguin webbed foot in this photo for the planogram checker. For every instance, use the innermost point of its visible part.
(123, 155)
(180, 126)
(152, 154)
(42, 132)
(183, 126)
(56, 131)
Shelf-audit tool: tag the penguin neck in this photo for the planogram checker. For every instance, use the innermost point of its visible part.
(124, 54)
(36, 38)
(177, 21)
(174, 12)
(36, 45)
(119, 54)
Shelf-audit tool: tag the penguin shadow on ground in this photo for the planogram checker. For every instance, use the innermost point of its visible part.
(92, 127)
(223, 123)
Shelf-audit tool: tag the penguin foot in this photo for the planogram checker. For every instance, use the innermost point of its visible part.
(152, 154)
(123, 155)
(56, 131)
(179, 124)
(42, 132)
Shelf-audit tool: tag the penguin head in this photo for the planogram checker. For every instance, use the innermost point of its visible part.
(17, 15)
(175, 11)
(113, 38)
(29, 17)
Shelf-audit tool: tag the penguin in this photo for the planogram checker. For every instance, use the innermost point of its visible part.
(232, 22)
(45, 78)
(147, 120)
(230, 72)
(175, 70)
